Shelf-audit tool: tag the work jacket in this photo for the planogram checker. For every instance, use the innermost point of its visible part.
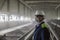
(41, 32)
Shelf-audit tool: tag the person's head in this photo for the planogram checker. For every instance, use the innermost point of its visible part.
(39, 16)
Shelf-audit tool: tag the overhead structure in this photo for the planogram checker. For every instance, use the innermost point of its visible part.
(48, 6)
(25, 4)
(42, 3)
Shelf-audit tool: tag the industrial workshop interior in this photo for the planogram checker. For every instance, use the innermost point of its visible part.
(18, 19)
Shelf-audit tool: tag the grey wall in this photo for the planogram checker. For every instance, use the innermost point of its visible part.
(59, 12)
(13, 7)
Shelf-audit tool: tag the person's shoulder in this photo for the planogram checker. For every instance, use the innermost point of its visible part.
(44, 25)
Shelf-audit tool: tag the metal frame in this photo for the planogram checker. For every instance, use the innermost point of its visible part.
(57, 6)
(2, 5)
(52, 31)
(25, 4)
(8, 2)
(18, 5)
(42, 1)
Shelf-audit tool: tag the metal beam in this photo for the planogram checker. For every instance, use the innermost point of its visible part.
(8, 2)
(57, 6)
(42, 1)
(48, 4)
(18, 6)
(42, 5)
(2, 4)
(25, 4)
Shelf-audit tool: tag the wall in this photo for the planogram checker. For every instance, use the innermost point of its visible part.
(14, 7)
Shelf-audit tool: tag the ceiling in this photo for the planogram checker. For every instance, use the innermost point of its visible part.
(48, 6)
(43, 4)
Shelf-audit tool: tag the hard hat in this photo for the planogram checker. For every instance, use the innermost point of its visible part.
(39, 13)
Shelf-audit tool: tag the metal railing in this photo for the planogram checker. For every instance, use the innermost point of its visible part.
(29, 35)
(53, 35)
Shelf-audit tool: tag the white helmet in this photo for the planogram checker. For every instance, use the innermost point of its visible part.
(39, 13)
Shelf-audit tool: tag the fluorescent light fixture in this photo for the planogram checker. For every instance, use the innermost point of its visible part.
(58, 18)
(21, 18)
(17, 18)
(29, 18)
(6, 18)
(13, 18)
(26, 18)
(3, 17)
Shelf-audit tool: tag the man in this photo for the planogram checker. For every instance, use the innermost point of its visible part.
(41, 32)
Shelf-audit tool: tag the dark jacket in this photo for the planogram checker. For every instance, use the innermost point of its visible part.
(41, 33)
